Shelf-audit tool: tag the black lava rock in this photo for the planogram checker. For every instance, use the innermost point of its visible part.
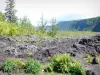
(95, 61)
(90, 72)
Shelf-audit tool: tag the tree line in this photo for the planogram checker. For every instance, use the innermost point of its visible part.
(10, 16)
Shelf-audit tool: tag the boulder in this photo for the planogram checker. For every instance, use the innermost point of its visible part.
(90, 72)
(95, 61)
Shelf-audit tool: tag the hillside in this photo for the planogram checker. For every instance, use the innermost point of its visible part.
(85, 24)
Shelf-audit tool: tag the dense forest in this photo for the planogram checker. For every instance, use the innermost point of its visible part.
(92, 24)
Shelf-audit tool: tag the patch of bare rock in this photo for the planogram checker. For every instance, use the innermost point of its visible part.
(44, 47)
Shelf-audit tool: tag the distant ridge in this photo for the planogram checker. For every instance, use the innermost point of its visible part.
(92, 24)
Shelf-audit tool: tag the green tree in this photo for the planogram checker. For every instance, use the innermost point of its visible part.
(42, 24)
(54, 29)
(25, 21)
(1, 16)
(10, 11)
(25, 24)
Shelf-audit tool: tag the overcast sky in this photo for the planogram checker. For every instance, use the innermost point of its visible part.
(63, 10)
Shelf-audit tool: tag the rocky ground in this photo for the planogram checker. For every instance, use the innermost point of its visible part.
(44, 47)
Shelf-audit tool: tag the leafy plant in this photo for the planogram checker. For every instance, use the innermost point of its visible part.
(49, 58)
(89, 58)
(13, 64)
(32, 66)
(76, 68)
(42, 24)
(49, 68)
(30, 54)
(63, 63)
(8, 66)
(2, 16)
(54, 29)
(51, 33)
(10, 11)
(11, 29)
(19, 63)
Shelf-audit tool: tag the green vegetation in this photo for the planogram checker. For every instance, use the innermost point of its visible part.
(2, 16)
(24, 27)
(10, 11)
(16, 65)
(88, 58)
(63, 63)
(91, 24)
(10, 25)
(11, 65)
(21, 28)
(30, 54)
(53, 30)
(11, 29)
(42, 24)
(74, 33)
(32, 66)
(76, 68)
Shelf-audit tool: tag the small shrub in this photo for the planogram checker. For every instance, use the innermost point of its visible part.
(11, 65)
(32, 66)
(49, 58)
(48, 68)
(63, 63)
(19, 64)
(54, 28)
(12, 29)
(60, 63)
(8, 66)
(30, 54)
(2, 16)
(89, 58)
(76, 68)
(51, 33)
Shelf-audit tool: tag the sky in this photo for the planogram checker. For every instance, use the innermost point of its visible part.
(62, 10)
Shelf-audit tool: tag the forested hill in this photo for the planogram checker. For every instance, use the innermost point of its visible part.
(85, 24)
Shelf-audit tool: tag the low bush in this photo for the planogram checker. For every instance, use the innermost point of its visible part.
(32, 66)
(88, 58)
(51, 33)
(48, 68)
(63, 63)
(13, 64)
(30, 54)
(76, 68)
(12, 29)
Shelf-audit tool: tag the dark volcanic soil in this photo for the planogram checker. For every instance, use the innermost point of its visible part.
(42, 48)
